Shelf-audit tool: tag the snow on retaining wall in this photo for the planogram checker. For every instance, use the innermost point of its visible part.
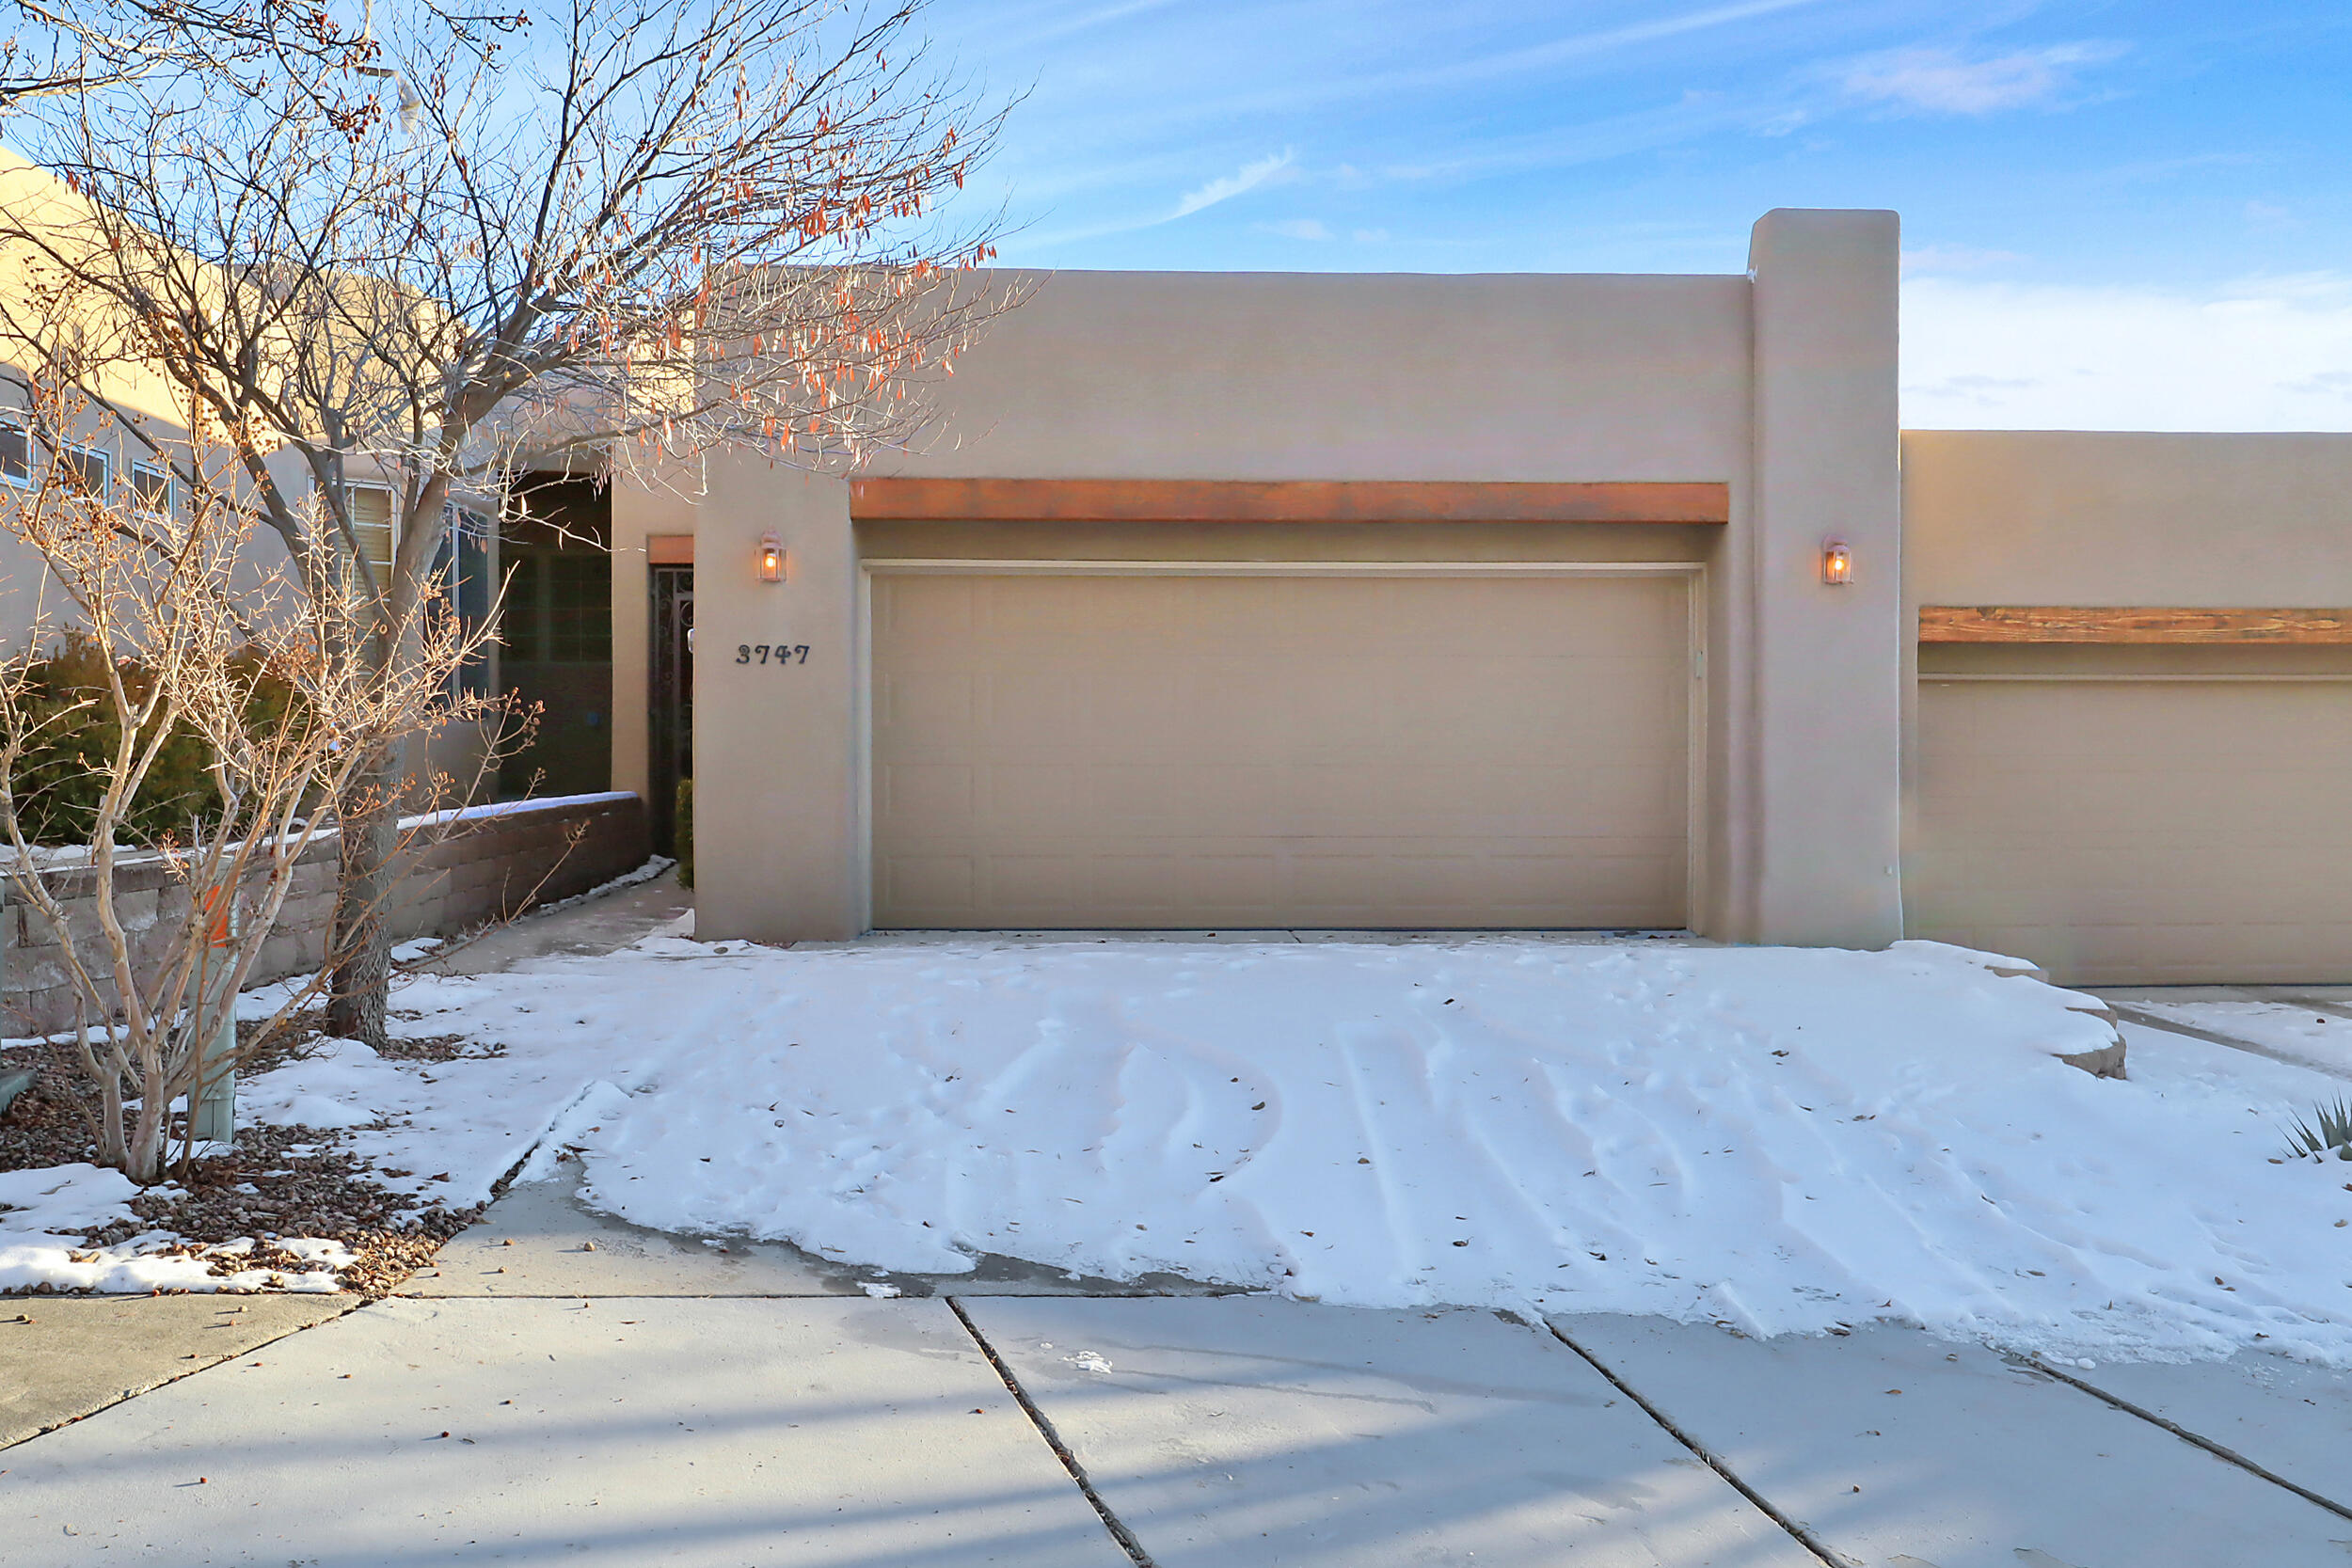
(494, 860)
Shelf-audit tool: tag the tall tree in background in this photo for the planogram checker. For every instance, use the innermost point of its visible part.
(437, 252)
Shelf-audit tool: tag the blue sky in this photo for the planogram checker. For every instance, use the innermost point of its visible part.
(2116, 216)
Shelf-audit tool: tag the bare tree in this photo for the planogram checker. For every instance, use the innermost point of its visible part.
(619, 234)
(264, 681)
(55, 49)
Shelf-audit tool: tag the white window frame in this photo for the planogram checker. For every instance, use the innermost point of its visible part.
(104, 459)
(392, 515)
(138, 500)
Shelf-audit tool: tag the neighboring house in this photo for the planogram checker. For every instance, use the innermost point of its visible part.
(131, 436)
(1243, 600)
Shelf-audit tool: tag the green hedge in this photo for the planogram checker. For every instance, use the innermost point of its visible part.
(62, 775)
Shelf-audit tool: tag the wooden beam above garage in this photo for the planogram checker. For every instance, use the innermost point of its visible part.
(2131, 623)
(1192, 501)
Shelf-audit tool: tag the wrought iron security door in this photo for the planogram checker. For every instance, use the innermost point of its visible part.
(672, 716)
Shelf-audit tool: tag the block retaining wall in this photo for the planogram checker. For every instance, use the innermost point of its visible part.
(488, 862)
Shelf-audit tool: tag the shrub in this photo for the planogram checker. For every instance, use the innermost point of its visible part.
(64, 772)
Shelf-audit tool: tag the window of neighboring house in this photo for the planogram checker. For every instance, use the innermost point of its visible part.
(87, 467)
(16, 454)
(151, 488)
(371, 507)
(462, 563)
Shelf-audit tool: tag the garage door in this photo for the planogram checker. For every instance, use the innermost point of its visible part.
(1201, 751)
(2138, 832)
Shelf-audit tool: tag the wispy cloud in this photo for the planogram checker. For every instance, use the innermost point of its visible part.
(1102, 16)
(1298, 228)
(1586, 141)
(1941, 81)
(1226, 187)
(1329, 85)
(2265, 354)
(1559, 51)
(1274, 167)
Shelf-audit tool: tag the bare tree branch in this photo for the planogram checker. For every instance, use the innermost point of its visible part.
(437, 252)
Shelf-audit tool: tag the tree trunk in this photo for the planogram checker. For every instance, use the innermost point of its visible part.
(358, 944)
(143, 1158)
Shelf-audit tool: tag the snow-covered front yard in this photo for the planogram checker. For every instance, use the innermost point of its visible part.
(1778, 1139)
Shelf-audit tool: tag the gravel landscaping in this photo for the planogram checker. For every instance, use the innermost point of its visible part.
(233, 1210)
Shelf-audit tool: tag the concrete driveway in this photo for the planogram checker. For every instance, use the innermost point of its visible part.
(566, 1387)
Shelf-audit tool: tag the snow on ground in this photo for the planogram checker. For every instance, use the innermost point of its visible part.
(2289, 1029)
(35, 1205)
(1779, 1139)
(1776, 1138)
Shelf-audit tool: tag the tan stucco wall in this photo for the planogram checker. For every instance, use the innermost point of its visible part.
(1818, 835)
(1259, 376)
(2131, 815)
(1276, 376)
(2008, 516)
(777, 814)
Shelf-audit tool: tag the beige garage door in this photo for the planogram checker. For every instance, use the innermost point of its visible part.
(1183, 750)
(2138, 832)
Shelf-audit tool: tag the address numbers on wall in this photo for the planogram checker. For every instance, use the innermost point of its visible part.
(771, 653)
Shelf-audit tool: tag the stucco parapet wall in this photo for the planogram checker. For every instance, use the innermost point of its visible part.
(494, 861)
(1375, 376)
(2127, 518)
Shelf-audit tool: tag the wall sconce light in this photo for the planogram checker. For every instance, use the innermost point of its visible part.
(1837, 562)
(770, 558)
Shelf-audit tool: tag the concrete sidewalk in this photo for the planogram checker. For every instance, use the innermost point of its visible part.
(606, 1395)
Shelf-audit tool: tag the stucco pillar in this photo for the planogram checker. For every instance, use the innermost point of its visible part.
(1827, 662)
(775, 742)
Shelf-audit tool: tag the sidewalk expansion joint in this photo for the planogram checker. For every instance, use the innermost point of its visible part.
(2216, 1450)
(1111, 1522)
(1802, 1536)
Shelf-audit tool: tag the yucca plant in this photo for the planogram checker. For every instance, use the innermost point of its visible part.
(2331, 1133)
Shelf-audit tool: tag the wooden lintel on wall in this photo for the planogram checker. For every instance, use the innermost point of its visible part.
(2129, 624)
(1189, 501)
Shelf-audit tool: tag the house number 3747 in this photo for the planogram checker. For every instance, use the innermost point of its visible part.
(771, 653)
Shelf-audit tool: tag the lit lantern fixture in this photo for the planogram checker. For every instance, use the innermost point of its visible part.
(1837, 562)
(770, 558)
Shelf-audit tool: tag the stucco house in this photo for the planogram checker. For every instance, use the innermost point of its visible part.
(1319, 601)
(1324, 601)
